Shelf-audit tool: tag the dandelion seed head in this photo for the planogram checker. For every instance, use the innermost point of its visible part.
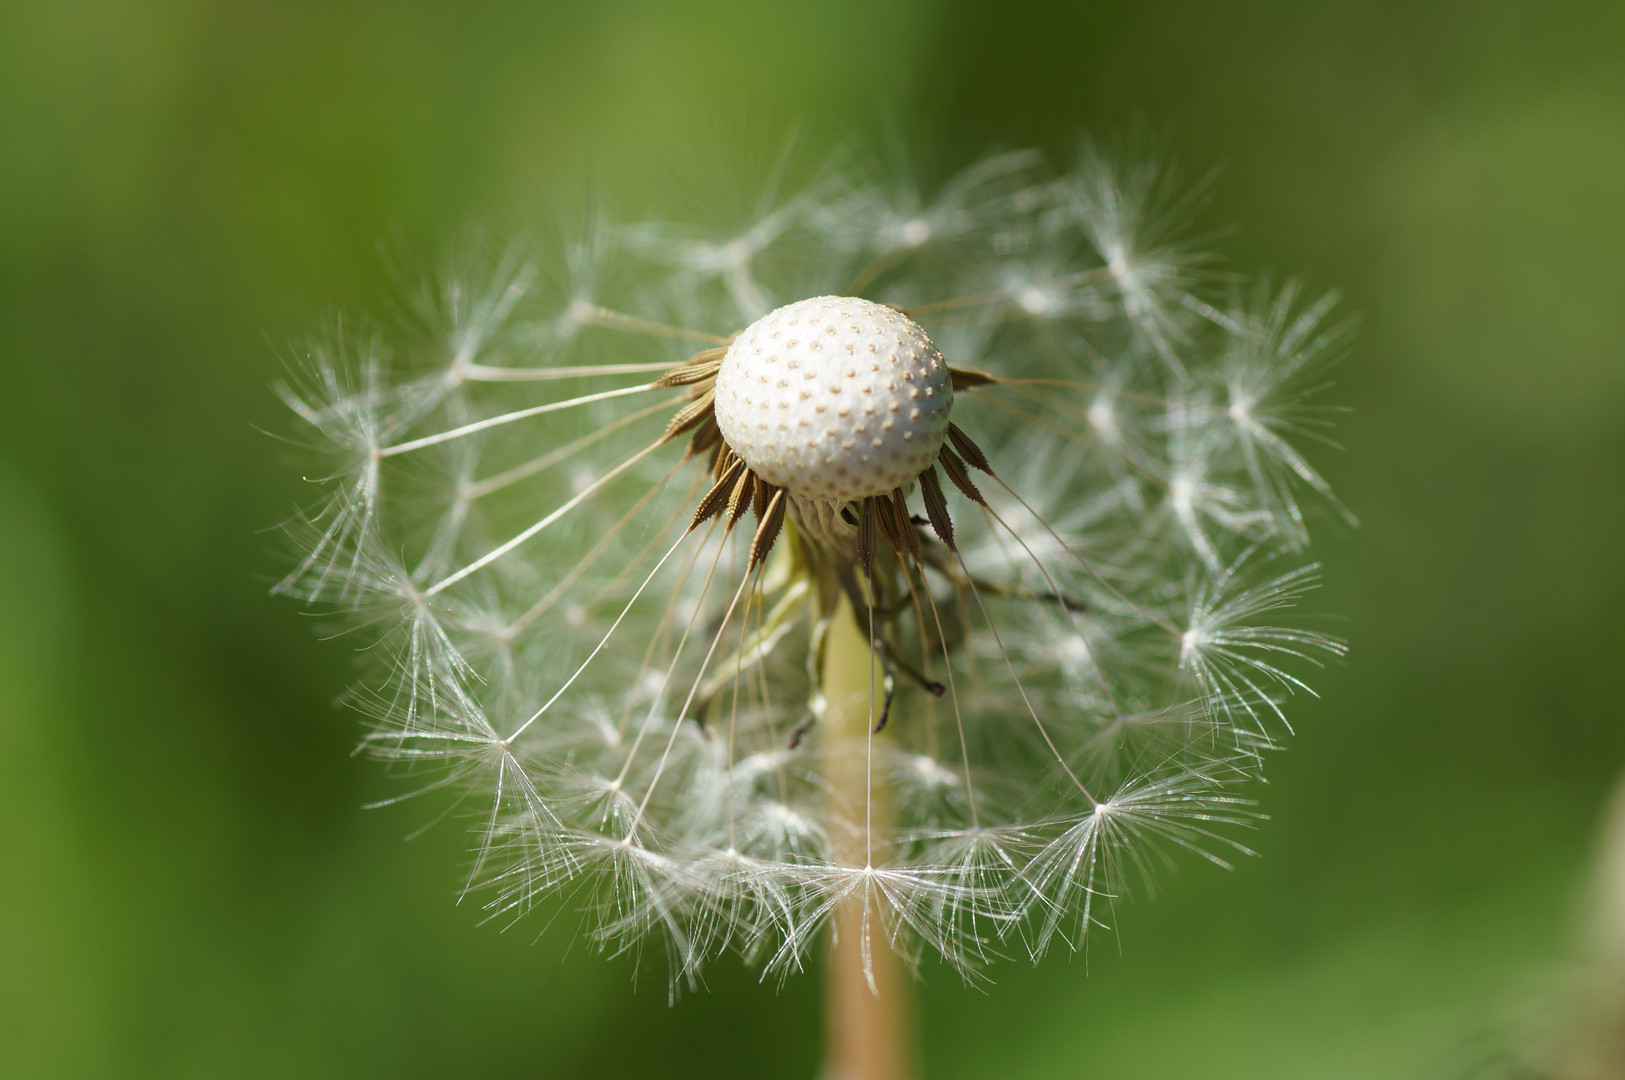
(834, 398)
(605, 510)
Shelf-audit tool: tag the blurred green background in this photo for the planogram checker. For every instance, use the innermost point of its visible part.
(188, 886)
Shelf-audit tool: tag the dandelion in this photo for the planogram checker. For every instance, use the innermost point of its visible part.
(906, 568)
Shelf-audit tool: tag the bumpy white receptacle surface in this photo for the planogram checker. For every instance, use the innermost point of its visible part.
(834, 398)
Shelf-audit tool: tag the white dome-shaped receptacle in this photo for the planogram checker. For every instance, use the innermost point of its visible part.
(834, 398)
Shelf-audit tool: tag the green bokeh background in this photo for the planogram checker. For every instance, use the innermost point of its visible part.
(188, 886)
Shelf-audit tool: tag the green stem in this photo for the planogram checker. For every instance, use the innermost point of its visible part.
(868, 1016)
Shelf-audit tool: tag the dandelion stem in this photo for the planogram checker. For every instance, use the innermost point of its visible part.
(867, 994)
